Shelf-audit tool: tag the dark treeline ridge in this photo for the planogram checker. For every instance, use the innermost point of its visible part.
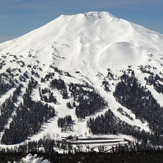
(6, 86)
(153, 79)
(91, 157)
(139, 100)
(89, 100)
(29, 117)
(7, 107)
(109, 124)
(59, 85)
(130, 94)
(47, 96)
(65, 122)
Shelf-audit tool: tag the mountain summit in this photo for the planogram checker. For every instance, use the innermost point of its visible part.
(93, 37)
(84, 75)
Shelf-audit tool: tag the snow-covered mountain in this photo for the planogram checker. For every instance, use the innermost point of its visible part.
(84, 75)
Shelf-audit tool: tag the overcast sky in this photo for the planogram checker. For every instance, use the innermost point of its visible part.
(18, 17)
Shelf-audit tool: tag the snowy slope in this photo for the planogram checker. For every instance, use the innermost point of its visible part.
(97, 38)
(85, 46)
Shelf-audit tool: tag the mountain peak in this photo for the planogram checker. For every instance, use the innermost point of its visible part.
(102, 14)
(93, 37)
(82, 74)
(92, 14)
